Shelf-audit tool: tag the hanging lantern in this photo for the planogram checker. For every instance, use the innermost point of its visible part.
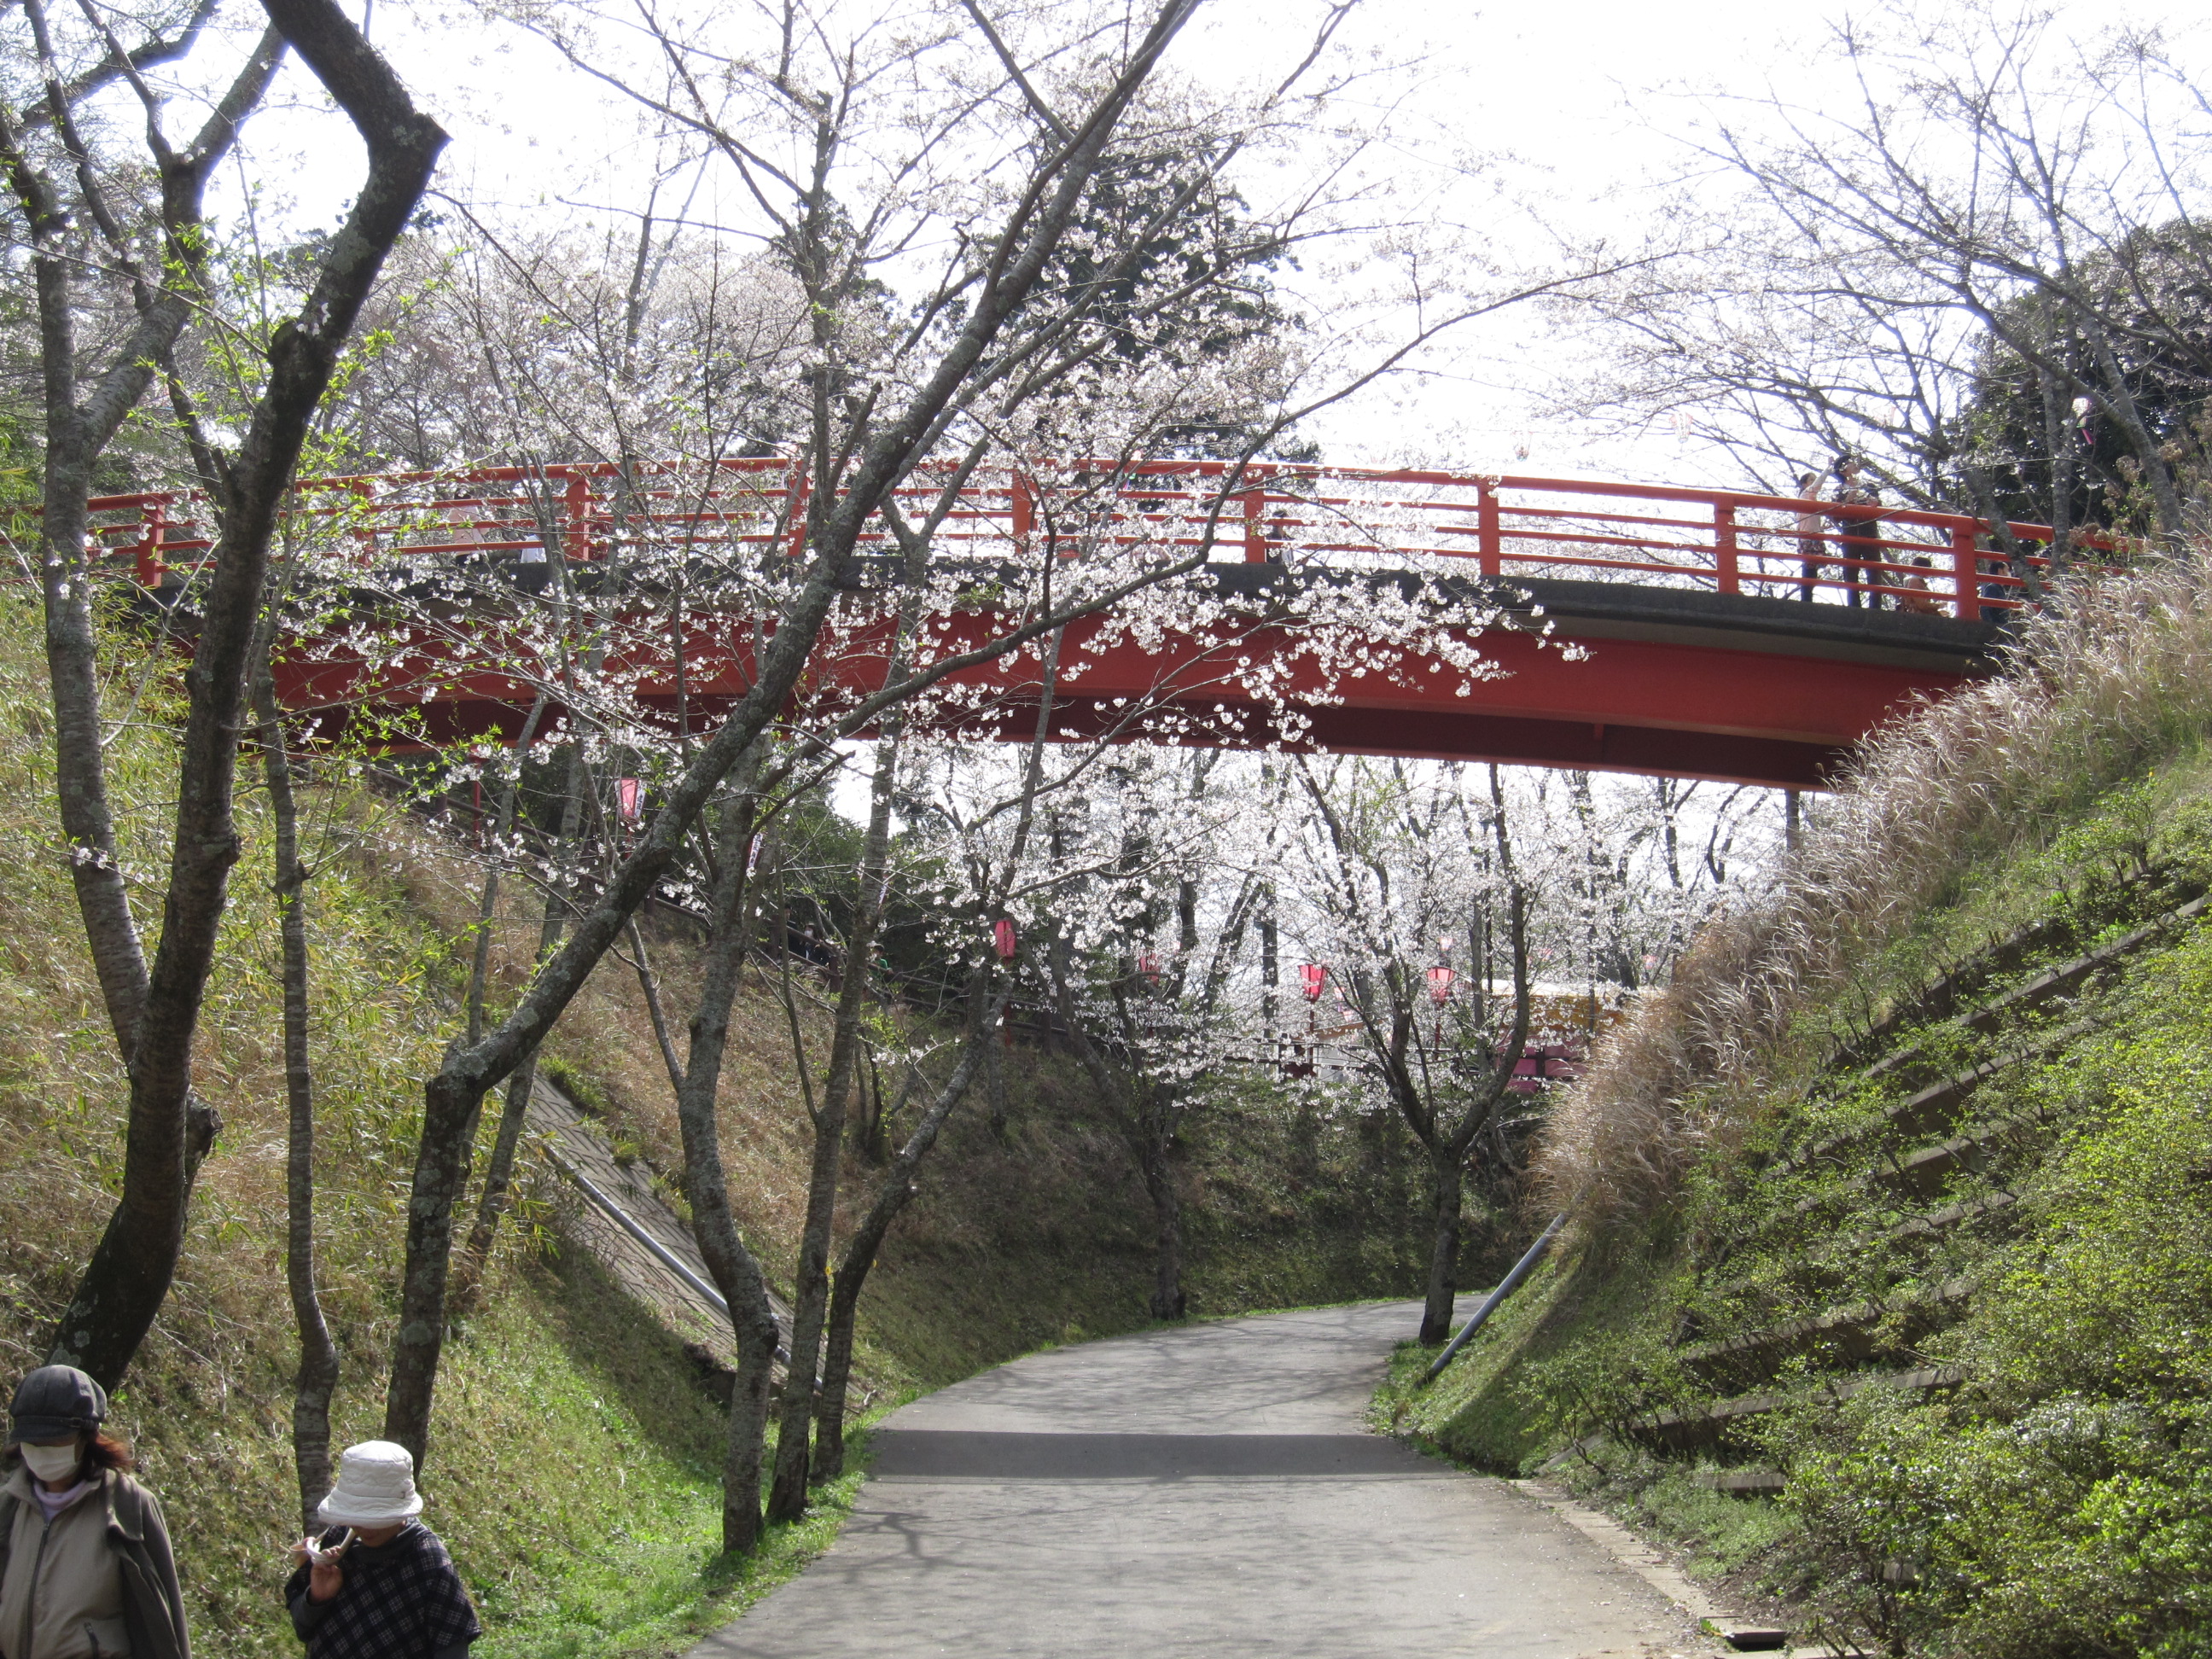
(1311, 977)
(1002, 936)
(627, 793)
(1440, 984)
(1149, 965)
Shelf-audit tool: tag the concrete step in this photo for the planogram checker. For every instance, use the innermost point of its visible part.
(1938, 1222)
(1941, 998)
(2064, 979)
(1923, 1171)
(1742, 1483)
(668, 1274)
(1934, 1106)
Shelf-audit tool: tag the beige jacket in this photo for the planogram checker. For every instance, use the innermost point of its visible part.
(96, 1583)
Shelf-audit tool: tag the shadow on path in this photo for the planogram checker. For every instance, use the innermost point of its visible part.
(1202, 1492)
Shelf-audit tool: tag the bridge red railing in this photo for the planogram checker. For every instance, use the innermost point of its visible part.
(1503, 526)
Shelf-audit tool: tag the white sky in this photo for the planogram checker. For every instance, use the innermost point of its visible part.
(1542, 93)
(1566, 106)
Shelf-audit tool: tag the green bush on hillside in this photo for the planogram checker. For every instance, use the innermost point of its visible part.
(2063, 1503)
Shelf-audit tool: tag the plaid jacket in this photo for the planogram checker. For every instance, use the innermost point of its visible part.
(401, 1600)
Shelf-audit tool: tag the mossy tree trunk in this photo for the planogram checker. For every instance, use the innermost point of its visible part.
(1447, 1189)
(1448, 1093)
(498, 1169)
(810, 1278)
(736, 1270)
(1155, 1138)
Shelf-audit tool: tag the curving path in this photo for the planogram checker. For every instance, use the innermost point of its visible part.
(1207, 1491)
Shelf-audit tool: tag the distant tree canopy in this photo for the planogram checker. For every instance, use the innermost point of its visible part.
(2026, 424)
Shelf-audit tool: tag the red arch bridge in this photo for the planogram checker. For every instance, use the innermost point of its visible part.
(1639, 627)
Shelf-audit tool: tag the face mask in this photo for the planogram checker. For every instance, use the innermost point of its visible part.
(52, 1462)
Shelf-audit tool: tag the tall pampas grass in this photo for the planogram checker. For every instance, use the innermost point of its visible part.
(2115, 678)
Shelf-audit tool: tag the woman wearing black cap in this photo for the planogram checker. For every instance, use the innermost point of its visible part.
(85, 1567)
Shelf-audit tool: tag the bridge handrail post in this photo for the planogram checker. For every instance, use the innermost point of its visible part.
(1022, 505)
(1966, 573)
(1726, 571)
(796, 494)
(1489, 550)
(362, 528)
(153, 521)
(1255, 538)
(578, 502)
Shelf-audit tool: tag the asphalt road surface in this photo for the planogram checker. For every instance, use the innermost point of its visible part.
(1208, 1490)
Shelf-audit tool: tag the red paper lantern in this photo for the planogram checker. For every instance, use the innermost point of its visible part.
(1002, 935)
(1149, 966)
(627, 791)
(1311, 977)
(1440, 984)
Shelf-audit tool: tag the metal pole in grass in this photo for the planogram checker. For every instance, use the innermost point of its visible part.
(1506, 1288)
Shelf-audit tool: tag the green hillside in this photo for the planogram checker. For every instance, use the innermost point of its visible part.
(574, 1453)
(1893, 1275)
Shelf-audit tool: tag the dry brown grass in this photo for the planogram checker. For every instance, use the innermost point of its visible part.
(2118, 681)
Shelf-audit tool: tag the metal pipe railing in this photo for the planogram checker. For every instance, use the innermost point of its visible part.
(1506, 1287)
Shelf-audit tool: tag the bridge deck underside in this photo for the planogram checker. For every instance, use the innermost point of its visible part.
(1741, 690)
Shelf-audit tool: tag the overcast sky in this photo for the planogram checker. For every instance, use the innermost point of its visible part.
(1568, 106)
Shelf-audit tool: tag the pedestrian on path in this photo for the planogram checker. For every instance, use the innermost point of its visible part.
(377, 1584)
(85, 1572)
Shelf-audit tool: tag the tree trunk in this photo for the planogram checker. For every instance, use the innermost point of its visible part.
(994, 1079)
(129, 1275)
(317, 1378)
(735, 1271)
(787, 1498)
(891, 1197)
(498, 1172)
(488, 903)
(1446, 1181)
(1156, 1156)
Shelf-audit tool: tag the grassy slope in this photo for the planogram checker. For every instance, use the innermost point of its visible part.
(574, 1461)
(2058, 1503)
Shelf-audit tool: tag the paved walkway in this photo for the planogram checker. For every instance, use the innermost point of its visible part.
(1206, 1491)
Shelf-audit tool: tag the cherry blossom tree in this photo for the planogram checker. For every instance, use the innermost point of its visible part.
(102, 220)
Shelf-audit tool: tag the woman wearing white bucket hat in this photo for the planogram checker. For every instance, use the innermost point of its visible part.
(378, 1584)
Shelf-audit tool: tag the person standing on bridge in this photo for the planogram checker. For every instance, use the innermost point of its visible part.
(1812, 548)
(378, 1584)
(1860, 523)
